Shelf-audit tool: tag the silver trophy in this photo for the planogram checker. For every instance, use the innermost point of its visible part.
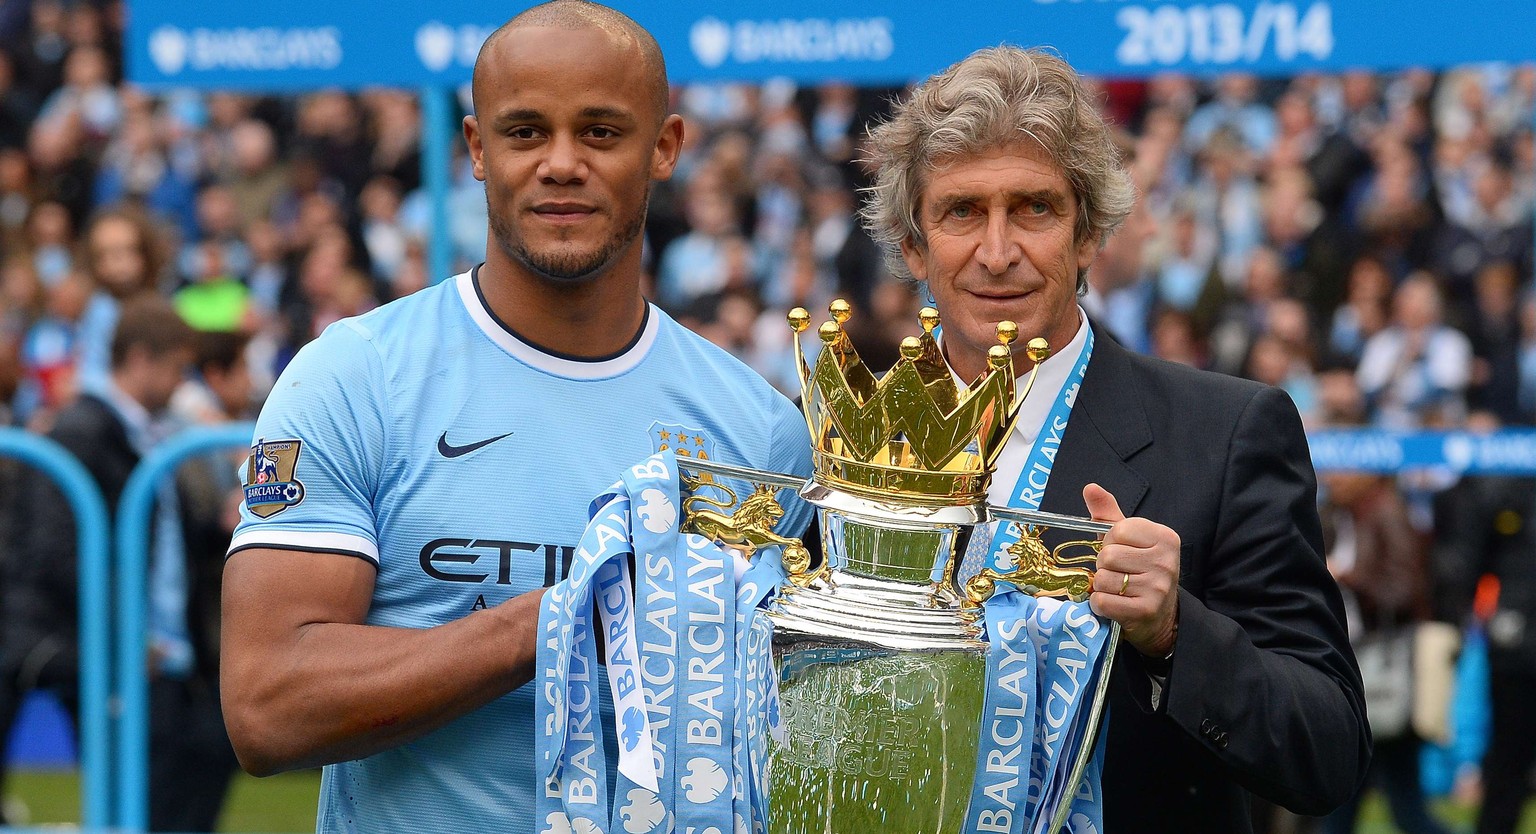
(881, 660)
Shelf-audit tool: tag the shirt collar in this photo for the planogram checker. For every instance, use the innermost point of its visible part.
(135, 416)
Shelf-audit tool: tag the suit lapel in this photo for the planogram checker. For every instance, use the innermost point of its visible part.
(1107, 427)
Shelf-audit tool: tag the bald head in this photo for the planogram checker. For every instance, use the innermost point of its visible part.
(580, 15)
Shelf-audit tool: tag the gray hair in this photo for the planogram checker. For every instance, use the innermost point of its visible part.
(994, 97)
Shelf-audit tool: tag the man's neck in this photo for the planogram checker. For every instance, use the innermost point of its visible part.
(592, 318)
(126, 396)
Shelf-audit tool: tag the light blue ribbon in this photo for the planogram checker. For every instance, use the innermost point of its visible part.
(999, 797)
(1042, 668)
(693, 642)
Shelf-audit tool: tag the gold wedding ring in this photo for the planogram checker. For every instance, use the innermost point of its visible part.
(1125, 582)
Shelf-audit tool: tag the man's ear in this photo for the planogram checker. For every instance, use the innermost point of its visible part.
(476, 149)
(669, 145)
(916, 256)
(1087, 250)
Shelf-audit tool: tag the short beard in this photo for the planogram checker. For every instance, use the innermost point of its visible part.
(566, 267)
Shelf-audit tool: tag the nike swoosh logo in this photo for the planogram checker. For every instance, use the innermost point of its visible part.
(448, 451)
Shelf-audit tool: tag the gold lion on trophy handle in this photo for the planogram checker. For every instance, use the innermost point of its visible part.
(749, 527)
(1039, 571)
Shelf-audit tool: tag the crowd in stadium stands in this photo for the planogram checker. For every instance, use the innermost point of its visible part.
(1361, 240)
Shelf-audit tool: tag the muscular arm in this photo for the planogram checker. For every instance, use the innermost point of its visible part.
(305, 682)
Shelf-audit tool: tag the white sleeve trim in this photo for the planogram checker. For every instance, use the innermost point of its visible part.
(299, 540)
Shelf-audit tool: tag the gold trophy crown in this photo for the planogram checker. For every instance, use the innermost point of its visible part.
(916, 436)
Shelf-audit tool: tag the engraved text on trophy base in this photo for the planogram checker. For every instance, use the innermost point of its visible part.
(875, 740)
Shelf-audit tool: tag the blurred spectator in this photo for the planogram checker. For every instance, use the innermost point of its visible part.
(270, 289)
(712, 106)
(1174, 339)
(330, 130)
(1120, 292)
(214, 298)
(123, 255)
(384, 237)
(188, 741)
(394, 128)
(1228, 201)
(1494, 331)
(1379, 561)
(1330, 158)
(109, 432)
(1392, 209)
(1160, 164)
(16, 197)
(62, 170)
(849, 263)
(701, 262)
(1362, 116)
(1312, 252)
(87, 97)
(17, 106)
(1364, 311)
(137, 167)
(1188, 262)
(309, 191)
(1495, 227)
(50, 377)
(330, 289)
(50, 236)
(41, 50)
(1415, 373)
(21, 294)
(218, 228)
(835, 121)
(1526, 396)
(780, 204)
(1273, 362)
(779, 128)
(1486, 525)
(1235, 108)
(1244, 319)
(254, 178)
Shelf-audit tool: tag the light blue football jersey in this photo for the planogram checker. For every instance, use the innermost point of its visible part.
(427, 438)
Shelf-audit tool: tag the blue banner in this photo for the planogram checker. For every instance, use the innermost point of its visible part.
(1509, 452)
(285, 45)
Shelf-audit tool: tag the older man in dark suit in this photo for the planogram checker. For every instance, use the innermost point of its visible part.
(998, 184)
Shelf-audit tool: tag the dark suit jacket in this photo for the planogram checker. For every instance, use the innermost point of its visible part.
(1263, 695)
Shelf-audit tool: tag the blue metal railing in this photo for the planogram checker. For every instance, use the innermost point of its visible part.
(93, 554)
(133, 527)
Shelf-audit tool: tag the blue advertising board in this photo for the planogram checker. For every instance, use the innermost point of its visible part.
(282, 45)
(1508, 452)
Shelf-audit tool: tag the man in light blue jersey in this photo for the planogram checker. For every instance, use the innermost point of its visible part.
(422, 472)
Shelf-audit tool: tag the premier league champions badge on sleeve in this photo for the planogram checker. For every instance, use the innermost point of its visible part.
(269, 476)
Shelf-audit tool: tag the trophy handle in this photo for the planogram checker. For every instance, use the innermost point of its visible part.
(1039, 571)
(747, 525)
